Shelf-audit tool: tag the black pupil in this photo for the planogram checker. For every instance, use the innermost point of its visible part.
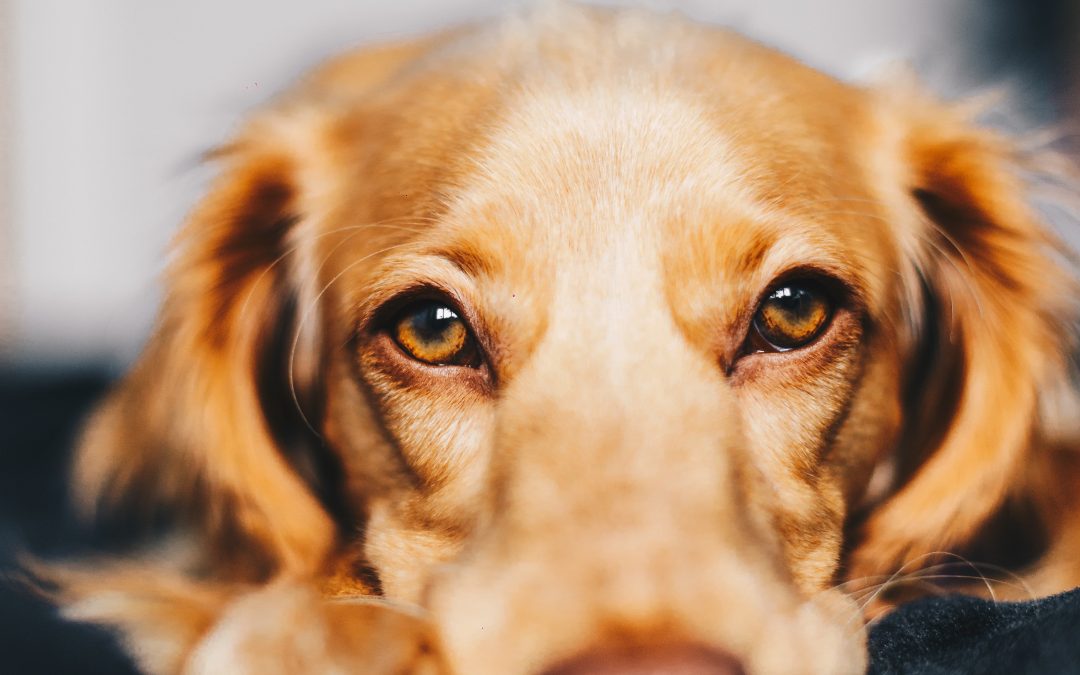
(431, 321)
(795, 301)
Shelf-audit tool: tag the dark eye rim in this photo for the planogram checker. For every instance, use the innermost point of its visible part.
(830, 287)
(389, 314)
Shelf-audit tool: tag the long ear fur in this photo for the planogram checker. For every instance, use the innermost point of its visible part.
(996, 302)
(189, 429)
(159, 613)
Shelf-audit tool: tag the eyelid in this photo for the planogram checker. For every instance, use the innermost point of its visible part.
(845, 287)
(407, 276)
(380, 308)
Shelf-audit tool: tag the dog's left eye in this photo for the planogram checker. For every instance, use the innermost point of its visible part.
(432, 332)
(792, 315)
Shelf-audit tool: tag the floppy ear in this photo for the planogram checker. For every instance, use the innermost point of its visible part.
(196, 427)
(996, 298)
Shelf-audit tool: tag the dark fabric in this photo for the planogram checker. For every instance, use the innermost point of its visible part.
(40, 413)
(39, 416)
(967, 635)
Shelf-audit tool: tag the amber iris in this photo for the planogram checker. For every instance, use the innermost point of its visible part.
(792, 315)
(432, 332)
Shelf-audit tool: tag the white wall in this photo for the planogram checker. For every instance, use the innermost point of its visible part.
(111, 103)
(7, 293)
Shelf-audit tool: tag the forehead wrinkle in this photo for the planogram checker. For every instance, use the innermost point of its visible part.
(718, 266)
(471, 257)
(600, 155)
(778, 240)
(806, 249)
(402, 271)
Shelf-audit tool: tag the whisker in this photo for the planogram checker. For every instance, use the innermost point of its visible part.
(853, 212)
(997, 568)
(399, 606)
(303, 319)
(899, 571)
(388, 223)
(828, 200)
(965, 577)
(330, 253)
(963, 257)
(866, 597)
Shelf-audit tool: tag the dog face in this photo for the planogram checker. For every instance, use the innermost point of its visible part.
(588, 333)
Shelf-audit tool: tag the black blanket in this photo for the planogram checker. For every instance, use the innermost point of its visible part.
(967, 635)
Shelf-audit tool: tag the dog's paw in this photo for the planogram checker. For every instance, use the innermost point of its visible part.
(289, 628)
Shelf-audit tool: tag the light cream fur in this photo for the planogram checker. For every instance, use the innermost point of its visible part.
(605, 196)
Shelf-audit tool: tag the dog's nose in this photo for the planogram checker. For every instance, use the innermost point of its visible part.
(656, 661)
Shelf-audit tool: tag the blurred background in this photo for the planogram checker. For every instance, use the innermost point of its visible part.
(106, 107)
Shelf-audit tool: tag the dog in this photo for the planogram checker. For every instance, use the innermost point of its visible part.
(584, 341)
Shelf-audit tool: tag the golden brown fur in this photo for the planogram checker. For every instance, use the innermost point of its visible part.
(605, 196)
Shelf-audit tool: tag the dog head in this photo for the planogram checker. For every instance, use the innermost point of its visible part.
(588, 332)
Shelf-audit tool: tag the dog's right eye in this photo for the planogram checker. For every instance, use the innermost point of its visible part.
(431, 332)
